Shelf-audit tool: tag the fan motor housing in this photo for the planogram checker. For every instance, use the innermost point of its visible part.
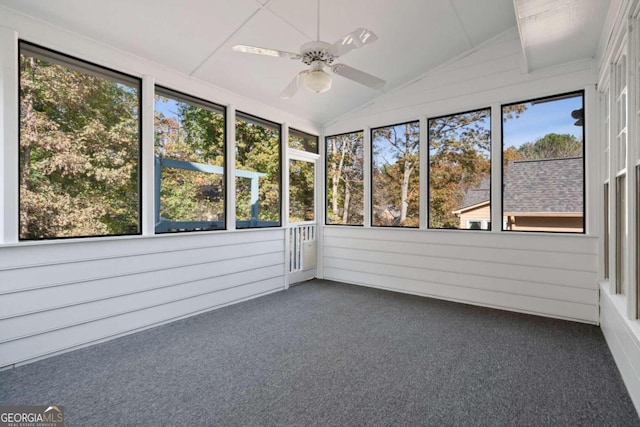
(316, 51)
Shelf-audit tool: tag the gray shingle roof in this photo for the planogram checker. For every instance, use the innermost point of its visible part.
(552, 185)
(476, 195)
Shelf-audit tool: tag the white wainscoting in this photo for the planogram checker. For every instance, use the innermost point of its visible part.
(56, 296)
(623, 337)
(548, 275)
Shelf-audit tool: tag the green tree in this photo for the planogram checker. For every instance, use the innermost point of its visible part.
(459, 147)
(79, 151)
(301, 191)
(345, 190)
(552, 146)
(396, 174)
(194, 134)
(258, 150)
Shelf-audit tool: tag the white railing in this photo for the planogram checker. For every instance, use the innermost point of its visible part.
(302, 244)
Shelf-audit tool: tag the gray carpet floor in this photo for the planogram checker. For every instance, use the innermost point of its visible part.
(330, 354)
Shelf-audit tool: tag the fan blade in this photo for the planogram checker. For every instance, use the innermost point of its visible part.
(291, 88)
(264, 51)
(358, 76)
(353, 40)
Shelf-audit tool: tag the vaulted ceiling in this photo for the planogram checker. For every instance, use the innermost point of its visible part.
(195, 37)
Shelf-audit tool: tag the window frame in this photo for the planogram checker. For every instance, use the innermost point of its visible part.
(203, 103)
(428, 163)
(564, 95)
(96, 70)
(326, 179)
(262, 122)
(371, 212)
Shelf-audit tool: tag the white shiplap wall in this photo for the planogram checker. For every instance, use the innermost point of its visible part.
(60, 295)
(547, 274)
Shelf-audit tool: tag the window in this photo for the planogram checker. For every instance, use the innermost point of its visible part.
(345, 188)
(621, 110)
(258, 161)
(301, 191)
(621, 233)
(302, 176)
(606, 230)
(478, 224)
(395, 175)
(79, 148)
(189, 162)
(303, 141)
(543, 164)
(637, 242)
(460, 169)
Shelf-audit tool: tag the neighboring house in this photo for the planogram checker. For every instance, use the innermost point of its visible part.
(539, 195)
(475, 212)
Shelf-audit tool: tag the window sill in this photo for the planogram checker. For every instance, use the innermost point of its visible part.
(95, 239)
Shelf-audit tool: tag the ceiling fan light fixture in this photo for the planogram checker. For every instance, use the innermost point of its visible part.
(317, 81)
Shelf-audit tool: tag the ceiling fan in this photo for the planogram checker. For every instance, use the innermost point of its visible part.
(318, 55)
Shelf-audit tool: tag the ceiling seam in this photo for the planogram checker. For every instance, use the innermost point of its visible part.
(245, 22)
(274, 13)
(525, 65)
(464, 30)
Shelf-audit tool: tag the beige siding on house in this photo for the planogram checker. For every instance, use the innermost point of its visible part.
(480, 213)
(548, 223)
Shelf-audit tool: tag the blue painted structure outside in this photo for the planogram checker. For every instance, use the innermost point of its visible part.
(164, 225)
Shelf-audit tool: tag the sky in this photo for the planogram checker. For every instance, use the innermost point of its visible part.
(168, 107)
(540, 119)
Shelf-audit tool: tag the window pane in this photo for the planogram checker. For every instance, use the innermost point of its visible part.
(606, 230)
(257, 172)
(621, 233)
(189, 161)
(79, 148)
(345, 191)
(543, 165)
(303, 141)
(460, 170)
(395, 175)
(301, 191)
(637, 242)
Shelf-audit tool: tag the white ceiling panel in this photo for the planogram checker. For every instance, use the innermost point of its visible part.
(558, 31)
(178, 34)
(484, 19)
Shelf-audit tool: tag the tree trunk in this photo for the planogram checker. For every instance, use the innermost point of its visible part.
(335, 179)
(404, 192)
(406, 176)
(347, 200)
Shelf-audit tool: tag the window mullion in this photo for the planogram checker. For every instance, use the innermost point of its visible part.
(9, 77)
